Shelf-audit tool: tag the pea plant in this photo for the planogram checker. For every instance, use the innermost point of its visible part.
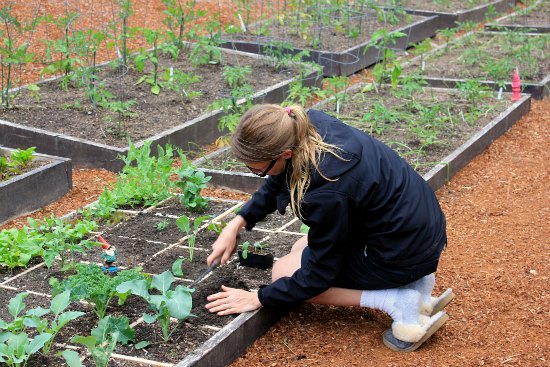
(166, 302)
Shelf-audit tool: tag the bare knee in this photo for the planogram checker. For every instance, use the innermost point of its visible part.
(287, 265)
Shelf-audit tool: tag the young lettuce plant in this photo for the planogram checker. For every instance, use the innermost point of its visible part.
(164, 301)
(109, 332)
(18, 247)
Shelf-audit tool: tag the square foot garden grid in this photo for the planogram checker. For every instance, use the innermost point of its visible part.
(343, 39)
(490, 59)
(204, 340)
(533, 19)
(47, 180)
(450, 13)
(94, 137)
(457, 134)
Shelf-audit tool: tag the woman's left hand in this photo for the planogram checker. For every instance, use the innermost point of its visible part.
(232, 300)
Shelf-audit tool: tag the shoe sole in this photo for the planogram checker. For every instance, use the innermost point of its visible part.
(443, 302)
(436, 325)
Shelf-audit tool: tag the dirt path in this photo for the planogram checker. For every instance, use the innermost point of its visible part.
(497, 262)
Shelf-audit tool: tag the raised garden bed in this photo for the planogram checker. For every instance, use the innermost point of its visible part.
(533, 19)
(204, 340)
(457, 141)
(337, 52)
(66, 123)
(490, 58)
(46, 180)
(450, 13)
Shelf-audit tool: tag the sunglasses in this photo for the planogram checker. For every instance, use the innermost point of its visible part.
(260, 173)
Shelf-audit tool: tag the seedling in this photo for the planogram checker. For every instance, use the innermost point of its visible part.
(191, 229)
(109, 332)
(170, 303)
(257, 247)
(162, 225)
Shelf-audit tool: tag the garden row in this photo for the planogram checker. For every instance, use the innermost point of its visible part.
(162, 228)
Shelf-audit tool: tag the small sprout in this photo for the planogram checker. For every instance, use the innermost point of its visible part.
(162, 225)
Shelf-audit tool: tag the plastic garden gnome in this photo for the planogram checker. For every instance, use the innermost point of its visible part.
(108, 255)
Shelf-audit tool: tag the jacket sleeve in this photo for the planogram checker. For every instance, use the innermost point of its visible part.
(327, 216)
(263, 202)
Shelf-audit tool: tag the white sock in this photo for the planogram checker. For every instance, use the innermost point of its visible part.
(425, 286)
(403, 305)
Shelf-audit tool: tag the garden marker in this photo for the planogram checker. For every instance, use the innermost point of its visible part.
(516, 86)
(109, 255)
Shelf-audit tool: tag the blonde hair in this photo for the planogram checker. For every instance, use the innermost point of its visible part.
(266, 131)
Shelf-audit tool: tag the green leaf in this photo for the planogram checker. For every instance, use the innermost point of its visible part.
(149, 318)
(183, 224)
(163, 281)
(60, 302)
(176, 268)
(37, 343)
(88, 341)
(180, 304)
(137, 287)
(72, 358)
(17, 304)
(142, 344)
(65, 317)
(155, 89)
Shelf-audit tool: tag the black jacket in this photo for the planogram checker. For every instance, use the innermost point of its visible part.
(378, 200)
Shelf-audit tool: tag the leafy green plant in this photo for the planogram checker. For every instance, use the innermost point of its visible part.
(191, 229)
(180, 82)
(257, 247)
(474, 91)
(152, 38)
(217, 228)
(102, 342)
(178, 16)
(35, 318)
(60, 239)
(162, 225)
(12, 53)
(165, 302)
(122, 113)
(236, 76)
(18, 247)
(191, 181)
(15, 345)
(336, 87)
(389, 66)
(206, 50)
(91, 284)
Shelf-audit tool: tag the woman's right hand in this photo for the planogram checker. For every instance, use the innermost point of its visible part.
(225, 244)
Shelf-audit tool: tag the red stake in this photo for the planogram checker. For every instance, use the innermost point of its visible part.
(516, 86)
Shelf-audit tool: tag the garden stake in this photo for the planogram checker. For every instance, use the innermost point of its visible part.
(109, 255)
(516, 86)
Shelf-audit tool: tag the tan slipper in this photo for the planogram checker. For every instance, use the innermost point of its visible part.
(397, 345)
(439, 303)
